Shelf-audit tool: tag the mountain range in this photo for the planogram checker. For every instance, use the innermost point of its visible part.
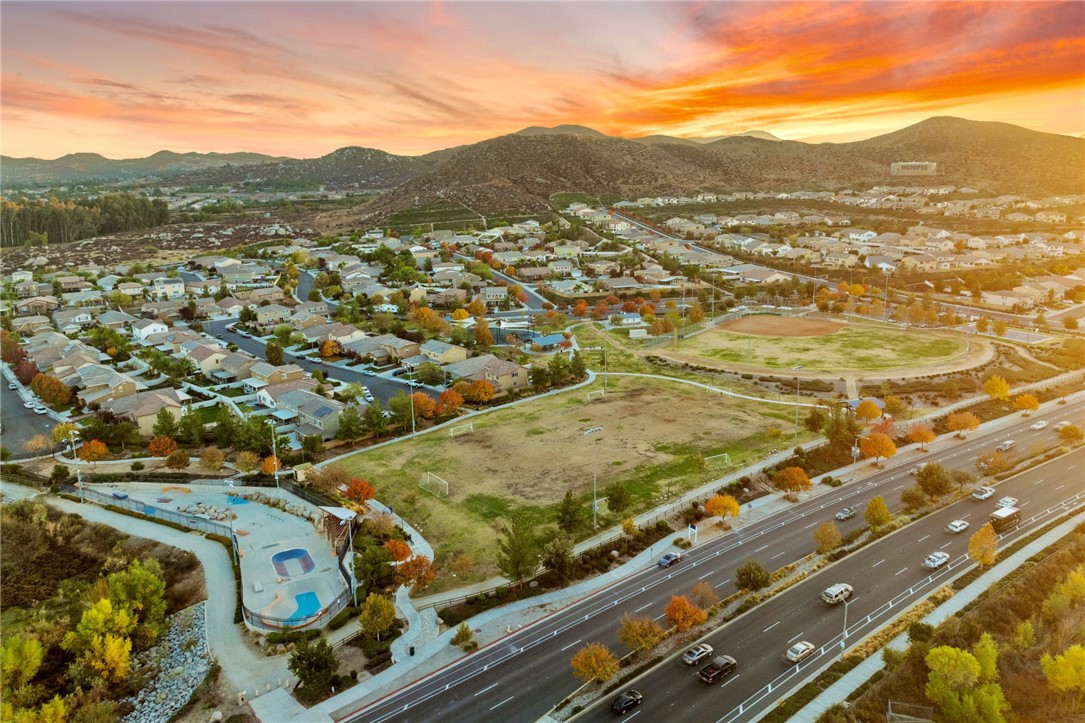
(523, 170)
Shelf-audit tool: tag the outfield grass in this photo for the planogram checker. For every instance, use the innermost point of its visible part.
(853, 348)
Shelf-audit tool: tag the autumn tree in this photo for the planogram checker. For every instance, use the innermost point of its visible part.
(961, 422)
(101, 642)
(424, 405)
(329, 348)
(703, 595)
(684, 614)
(480, 392)
(594, 663)
(460, 314)
(827, 537)
(416, 573)
(1065, 672)
(398, 549)
(51, 390)
(162, 446)
(477, 307)
(212, 460)
(999, 327)
(994, 461)
(1026, 403)
(177, 459)
(921, 435)
(983, 546)
(722, 506)
(38, 444)
(64, 431)
(752, 575)
(997, 387)
(983, 324)
(358, 491)
(696, 313)
(629, 527)
(877, 445)
(246, 461)
(93, 450)
(376, 615)
(895, 406)
(483, 336)
(963, 685)
(876, 513)
(868, 410)
(639, 632)
(791, 480)
(1071, 433)
(934, 480)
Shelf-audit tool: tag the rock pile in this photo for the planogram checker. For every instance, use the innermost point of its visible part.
(205, 510)
(173, 669)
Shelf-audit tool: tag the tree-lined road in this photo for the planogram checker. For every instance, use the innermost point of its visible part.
(521, 676)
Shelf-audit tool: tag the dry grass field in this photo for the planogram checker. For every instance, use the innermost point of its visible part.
(522, 459)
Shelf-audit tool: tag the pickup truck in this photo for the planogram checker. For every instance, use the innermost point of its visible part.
(721, 666)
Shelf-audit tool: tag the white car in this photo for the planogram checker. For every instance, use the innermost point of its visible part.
(696, 654)
(40, 410)
(957, 527)
(1061, 426)
(1007, 502)
(28, 405)
(11, 385)
(983, 493)
(1038, 425)
(935, 560)
(799, 652)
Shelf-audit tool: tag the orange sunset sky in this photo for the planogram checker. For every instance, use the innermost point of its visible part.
(302, 79)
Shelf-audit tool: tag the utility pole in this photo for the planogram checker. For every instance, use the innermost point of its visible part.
(798, 390)
(275, 453)
(594, 481)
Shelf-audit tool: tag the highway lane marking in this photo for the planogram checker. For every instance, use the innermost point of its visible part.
(810, 525)
(1073, 466)
(903, 569)
(724, 582)
(790, 641)
(642, 607)
(761, 548)
(633, 716)
(922, 538)
(778, 554)
(771, 626)
(877, 563)
(731, 681)
(897, 487)
(503, 702)
(657, 617)
(564, 649)
(1059, 487)
(1039, 481)
(702, 577)
(486, 689)
(945, 546)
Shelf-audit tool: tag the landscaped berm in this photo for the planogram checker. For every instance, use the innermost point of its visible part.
(778, 342)
(523, 458)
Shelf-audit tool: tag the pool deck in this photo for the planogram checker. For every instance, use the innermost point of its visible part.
(261, 530)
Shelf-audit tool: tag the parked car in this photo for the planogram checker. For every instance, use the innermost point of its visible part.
(846, 514)
(669, 559)
(837, 593)
(1007, 502)
(1038, 425)
(935, 560)
(626, 701)
(11, 385)
(413, 383)
(40, 410)
(799, 652)
(983, 493)
(957, 527)
(218, 336)
(28, 405)
(697, 653)
(231, 328)
(369, 372)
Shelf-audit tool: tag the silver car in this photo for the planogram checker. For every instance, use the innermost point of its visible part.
(799, 652)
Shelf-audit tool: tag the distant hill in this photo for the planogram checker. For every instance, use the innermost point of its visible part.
(92, 166)
(763, 135)
(523, 170)
(563, 130)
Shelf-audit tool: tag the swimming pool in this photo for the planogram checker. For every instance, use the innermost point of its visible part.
(293, 562)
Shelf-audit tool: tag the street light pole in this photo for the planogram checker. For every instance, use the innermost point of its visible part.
(594, 482)
(885, 313)
(798, 391)
(230, 517)
(275, 454)
(411, 395)
(844, 639)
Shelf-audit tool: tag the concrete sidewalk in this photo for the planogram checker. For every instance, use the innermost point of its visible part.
(839, 691)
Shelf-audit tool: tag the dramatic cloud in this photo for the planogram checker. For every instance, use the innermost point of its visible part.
(301, 79)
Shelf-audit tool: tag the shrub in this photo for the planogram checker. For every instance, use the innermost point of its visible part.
(137, 466)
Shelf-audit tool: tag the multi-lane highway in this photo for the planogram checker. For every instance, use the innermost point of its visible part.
(521, 676)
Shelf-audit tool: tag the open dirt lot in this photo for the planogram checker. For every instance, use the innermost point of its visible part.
(524, 458)
(786, 342)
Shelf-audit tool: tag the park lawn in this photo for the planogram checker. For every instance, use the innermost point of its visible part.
(522, 459)
(855, 347)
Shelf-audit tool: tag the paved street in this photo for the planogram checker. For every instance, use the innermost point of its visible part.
(20, 424)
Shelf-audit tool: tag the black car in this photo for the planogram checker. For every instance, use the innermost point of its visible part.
(626, 701)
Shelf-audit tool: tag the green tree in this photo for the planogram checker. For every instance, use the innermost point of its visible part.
(350, 424)
(312, 445)
(20, 659)
(1065, 672)
(752, 575)
(273, 353)
(876, 513)
(225, 427)
(377, 614)
(374, 420)
(934, 480)
(517, 549)
(557, 556)
(577, 366)
(141, 589)
(165, 424)
(570, 513)
(618, 497)
(314, 663)
(190, 430)
(402, 410)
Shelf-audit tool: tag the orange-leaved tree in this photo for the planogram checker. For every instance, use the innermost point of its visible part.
(683, 614)
(270, 465)
(921, 435)
(868, 410)
(359, 490)
(162, 446)
(460, 314)
(481, 391)
(450, 402)
(93, 450)
(329, 348)
(961, 422)
(1026, 403)
(398, 549)
(483, 336)
(416, 572)
(424, 405)
(877, 445)
(594, 663)
(791, 479)
(721, 506)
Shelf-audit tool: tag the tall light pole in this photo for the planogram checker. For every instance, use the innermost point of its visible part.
(230, 516)
(275, 453)
(798, 390)
(594, 481)
(411, 395)
(885, 313)
(844, 639)
(78, 470)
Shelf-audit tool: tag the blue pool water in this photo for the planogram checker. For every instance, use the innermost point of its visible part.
(308, 604)
(237, 500)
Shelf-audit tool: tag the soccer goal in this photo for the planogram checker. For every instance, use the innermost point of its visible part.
(433, 484)
(461, 429)
(716, 458)
(596, 394)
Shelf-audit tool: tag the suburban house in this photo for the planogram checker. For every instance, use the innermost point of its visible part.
(270, 394)
(272, 314)
(271, 374)
(440, 352)
(619, 284)
(166, 289)
(208, 358)
(315, 414)
(115, 319)
(341, 333)
(1005, 299)
(533, 273)
(233, 306)
(319, 308)
(37, 305)
(234, 367)
(100, 383)
(143, 407)
(503, 375)
(384, 348)
(270, 294)
(145, 328)
(72, 320)
(30, 324)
